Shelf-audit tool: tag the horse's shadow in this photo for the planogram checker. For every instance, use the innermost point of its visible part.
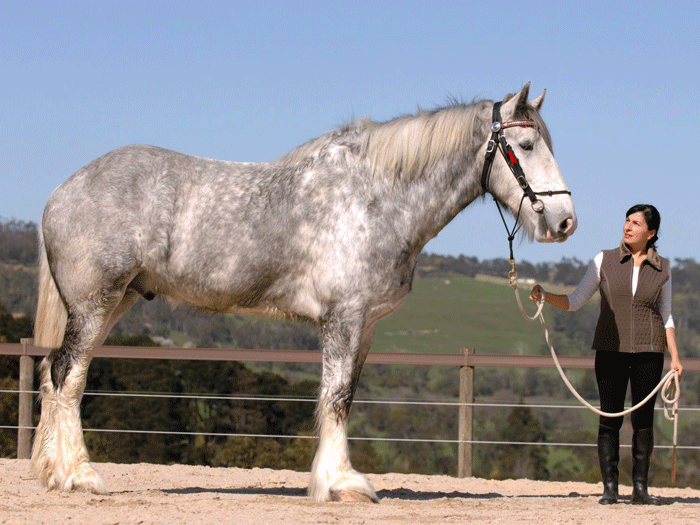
(407, 494)
(400, 494)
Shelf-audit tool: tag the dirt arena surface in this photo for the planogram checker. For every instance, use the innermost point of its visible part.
(150, 494)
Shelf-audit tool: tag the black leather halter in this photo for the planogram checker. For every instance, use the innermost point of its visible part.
(498, 142)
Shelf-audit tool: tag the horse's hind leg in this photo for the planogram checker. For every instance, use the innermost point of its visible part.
(346, 341)
(59, 454)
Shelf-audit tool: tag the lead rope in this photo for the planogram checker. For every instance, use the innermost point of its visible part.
(669, 385)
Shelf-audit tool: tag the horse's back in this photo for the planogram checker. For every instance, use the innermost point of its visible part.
(131, 191)
(117, 179)
(127, 175)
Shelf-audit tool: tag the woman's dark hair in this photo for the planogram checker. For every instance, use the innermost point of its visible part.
(652, 218)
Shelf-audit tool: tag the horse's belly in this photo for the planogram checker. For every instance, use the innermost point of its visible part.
(262, 295)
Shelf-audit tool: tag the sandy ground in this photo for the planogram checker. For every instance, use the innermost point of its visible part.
(145, 494)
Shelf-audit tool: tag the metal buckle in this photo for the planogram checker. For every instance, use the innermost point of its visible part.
(490, 147)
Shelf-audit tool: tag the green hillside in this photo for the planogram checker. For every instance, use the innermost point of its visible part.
(447, 314)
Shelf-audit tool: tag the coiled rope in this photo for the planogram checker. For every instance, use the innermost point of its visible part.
(669, 385)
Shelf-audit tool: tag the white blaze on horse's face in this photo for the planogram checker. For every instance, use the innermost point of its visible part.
(558, 219)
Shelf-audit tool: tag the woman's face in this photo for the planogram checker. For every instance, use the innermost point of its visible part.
(636, 233)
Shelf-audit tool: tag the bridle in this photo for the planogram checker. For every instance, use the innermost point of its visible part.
(498, 142)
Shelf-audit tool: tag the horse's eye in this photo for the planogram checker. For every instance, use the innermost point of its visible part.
(527, 146)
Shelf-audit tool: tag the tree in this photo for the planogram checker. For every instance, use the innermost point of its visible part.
(195, 416)
(11, 331)
(569, 271)
(686, 276)
(8, 416)
(498, 267)
(522, 461)
(18, 242)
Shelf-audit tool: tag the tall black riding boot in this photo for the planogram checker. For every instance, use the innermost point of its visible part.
(609, 457)
(642, 446)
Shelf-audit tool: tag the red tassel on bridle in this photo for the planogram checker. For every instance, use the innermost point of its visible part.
(512, 158)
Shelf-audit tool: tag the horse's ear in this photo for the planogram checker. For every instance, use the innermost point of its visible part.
(519, 100)
(537, 103)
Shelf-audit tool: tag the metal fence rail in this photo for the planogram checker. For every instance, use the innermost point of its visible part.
(466, 361)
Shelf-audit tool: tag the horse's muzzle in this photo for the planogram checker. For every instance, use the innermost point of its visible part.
(565, 229)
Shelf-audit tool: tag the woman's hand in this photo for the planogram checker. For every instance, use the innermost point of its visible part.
(537, 293)
(673, 350)
(676, 365)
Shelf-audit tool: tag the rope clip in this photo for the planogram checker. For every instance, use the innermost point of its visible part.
(512, 274)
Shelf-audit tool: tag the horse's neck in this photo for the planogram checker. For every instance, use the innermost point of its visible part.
(433, 201)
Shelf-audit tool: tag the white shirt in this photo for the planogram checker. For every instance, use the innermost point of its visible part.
(591, 282)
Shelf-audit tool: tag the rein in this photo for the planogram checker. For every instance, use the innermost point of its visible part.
(498, 142)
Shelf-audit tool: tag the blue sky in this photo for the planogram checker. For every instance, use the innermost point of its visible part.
(248, 81)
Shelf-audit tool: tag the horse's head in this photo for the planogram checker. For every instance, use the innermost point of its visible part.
(545, 216)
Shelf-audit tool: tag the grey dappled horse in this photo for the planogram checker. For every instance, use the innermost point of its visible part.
(329, 233)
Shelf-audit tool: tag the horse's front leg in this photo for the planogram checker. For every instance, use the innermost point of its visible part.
(346, 341)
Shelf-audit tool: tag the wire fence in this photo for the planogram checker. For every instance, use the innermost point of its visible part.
(258, 398)
(466, 362)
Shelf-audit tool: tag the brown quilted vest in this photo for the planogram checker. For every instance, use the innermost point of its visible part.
(630, 323)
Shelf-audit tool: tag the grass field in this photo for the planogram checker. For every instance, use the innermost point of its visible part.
(447, 314)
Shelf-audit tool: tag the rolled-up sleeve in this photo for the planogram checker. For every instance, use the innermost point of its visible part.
(588, 286)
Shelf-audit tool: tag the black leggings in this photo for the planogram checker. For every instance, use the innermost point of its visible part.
(613, 371)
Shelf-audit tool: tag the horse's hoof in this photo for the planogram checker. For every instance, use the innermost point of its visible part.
(85, 479)
(353, 496)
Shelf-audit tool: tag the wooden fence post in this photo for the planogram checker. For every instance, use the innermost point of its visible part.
(466, 418)
(26, 402)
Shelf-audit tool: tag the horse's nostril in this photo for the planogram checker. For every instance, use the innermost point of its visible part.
(566, 225)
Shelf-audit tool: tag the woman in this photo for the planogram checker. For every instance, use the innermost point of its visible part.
(634, 329)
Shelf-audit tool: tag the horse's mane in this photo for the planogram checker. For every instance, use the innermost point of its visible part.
(410, 145)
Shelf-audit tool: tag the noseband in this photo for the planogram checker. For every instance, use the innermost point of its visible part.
(498, 142)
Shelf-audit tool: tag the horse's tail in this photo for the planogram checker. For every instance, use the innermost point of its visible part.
(51, 314)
